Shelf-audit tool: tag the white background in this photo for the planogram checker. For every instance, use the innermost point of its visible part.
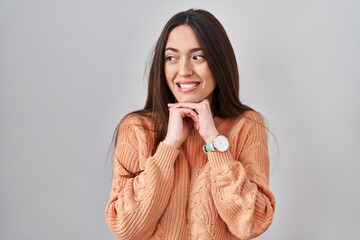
(69, 71)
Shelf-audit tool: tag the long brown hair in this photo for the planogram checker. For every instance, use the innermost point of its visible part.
(221, 60)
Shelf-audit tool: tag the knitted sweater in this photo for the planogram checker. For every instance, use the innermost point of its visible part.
(187, 194)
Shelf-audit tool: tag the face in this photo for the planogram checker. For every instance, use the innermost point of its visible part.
(186, 69)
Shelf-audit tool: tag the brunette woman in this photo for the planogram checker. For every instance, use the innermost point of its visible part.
(193, 164)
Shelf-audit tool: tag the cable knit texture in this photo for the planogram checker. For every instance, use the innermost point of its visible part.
(187, 194)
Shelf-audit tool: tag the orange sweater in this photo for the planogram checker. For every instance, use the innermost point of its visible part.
(187, 194)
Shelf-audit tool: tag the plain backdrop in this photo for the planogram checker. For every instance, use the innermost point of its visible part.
(71, 69)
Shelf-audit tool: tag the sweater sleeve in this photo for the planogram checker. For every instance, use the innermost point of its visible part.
(240, 181)
(137, 203)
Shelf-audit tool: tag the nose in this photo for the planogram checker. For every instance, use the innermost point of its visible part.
(185, 68)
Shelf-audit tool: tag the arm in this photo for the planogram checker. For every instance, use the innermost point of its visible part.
(136, 204)
(239, 181)
(240, 187)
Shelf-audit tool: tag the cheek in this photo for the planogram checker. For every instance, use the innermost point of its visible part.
(169, 82)
(166, 71)
(210, 79)
(169, 75)
(206, 73)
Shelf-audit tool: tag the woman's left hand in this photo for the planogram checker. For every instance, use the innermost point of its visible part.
(205, 125)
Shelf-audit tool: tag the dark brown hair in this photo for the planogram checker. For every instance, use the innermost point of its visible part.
(221, 60)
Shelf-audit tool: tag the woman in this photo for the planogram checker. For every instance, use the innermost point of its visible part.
(193, 163)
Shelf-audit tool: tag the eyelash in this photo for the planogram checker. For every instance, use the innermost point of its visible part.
(170, 58)
(202, 57)
(198, 57)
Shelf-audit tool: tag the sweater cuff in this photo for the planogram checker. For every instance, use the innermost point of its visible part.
(220, 160)
(166, 155)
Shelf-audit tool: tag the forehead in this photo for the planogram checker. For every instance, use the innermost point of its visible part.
(182, 37)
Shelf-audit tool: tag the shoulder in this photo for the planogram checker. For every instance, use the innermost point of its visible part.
(256, 127)
(246, 130)
(135, 120)
(252, 117)
(134, 125)
(134, 130)
(244, 126)
(246, 119)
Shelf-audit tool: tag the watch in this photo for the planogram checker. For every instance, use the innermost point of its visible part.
(220, 143)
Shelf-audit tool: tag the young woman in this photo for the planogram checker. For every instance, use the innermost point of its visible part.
(193, 164)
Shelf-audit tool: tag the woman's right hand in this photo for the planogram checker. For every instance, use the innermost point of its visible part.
(181, 120)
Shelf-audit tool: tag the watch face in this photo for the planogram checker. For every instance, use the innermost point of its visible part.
(221, 143)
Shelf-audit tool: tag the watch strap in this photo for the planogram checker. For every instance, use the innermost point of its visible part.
(209, 147)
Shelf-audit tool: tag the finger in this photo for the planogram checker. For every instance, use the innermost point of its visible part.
(194, 106)
(183, 104)
(188, 104)
(191, 122)
(184, 112)
(196, 125)
(190, 113)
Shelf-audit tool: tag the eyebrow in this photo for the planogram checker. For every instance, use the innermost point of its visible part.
(177, 50)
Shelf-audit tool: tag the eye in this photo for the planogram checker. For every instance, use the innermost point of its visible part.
(199, 57)
(170, 58)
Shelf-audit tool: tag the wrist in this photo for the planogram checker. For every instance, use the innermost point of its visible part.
(220, 143)
(172, 143)
(211, 137)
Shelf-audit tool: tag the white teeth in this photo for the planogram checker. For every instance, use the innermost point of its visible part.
(187, 85)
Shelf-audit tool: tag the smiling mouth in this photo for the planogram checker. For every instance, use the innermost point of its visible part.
(187, 86)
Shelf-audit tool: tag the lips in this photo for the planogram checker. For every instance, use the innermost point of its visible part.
(187, 86)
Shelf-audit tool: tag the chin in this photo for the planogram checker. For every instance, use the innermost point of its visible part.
(192, 100)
